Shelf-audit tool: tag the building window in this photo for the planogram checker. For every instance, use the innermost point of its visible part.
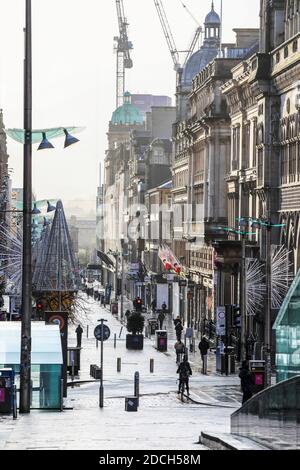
(254, 143)
(292, 162)
(246, 145)
(260, 166)
(284, 164)
(286, 52)
(197, 209)
(277, 57)
(295, 46)
(235, 148)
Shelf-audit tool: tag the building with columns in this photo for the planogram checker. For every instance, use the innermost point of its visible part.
(263, 182)
(201, 159)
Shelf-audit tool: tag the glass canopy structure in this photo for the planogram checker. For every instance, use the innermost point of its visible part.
(46, 361)
(287, 326)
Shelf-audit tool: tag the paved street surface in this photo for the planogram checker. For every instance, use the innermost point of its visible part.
(162, 422)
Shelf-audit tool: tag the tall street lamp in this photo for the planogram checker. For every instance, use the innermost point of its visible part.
(28, 136)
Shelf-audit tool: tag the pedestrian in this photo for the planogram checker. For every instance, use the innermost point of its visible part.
(96, 286)
(178, 328)
(153, 306)
(179, 349)
(161, 318)
(79, 332)
(247, 381)
(184, 370)
(204, 347)
(127, 315)
(164, 307)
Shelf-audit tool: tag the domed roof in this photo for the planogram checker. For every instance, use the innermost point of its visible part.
(212, 17)
(197, 62)
(127, 114)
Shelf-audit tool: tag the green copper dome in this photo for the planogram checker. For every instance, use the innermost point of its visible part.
(127, 114)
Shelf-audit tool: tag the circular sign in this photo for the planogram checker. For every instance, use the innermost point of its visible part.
(98, 332)
(57, 320)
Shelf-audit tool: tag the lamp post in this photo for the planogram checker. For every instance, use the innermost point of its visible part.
(25, 361)
(27, 136)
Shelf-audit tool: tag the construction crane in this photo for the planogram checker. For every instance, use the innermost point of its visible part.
(168, 33)
(169, 36)
(122, 47)
(193, 44)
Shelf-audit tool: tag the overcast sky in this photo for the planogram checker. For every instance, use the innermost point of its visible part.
(74, 75)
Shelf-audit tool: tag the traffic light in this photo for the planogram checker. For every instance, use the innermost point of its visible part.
(237, 316)
(138, 304)
(39, 306)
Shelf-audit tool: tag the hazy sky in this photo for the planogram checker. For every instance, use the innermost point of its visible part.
(74, 75)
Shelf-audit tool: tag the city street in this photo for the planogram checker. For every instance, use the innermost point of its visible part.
(162, 422)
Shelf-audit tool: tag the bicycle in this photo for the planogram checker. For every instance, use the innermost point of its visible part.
(183, 384)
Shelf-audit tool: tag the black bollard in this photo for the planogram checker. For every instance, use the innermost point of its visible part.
(151, 366)
(137, 387)
(119, 364)
(115, 341)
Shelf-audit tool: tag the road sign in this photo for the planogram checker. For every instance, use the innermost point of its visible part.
(221, 319)
(98, 333)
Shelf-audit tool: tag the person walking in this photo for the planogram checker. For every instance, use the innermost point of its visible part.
(96, 287)
(204, 347)
(161, 318)
(178, 328)
(153, 306)
(247, 381)
(79, 332)
(184, 370)
(179, 349)
(164, 307)
(127, 315)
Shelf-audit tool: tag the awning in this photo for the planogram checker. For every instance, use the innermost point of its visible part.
(105, 259)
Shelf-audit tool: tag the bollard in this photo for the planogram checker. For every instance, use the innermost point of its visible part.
(151, 366)
(137, 387)
(87, 331)
(31, 391)
(62, 395)
(15, 409)
(115, 341)
(119, 364)
(73, 374)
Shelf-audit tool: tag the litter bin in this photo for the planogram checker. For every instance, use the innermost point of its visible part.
(258, 372)
(161, 340)
(114, 308)
(131, 404)
(7, 380)
(153, 325)
(73, 360)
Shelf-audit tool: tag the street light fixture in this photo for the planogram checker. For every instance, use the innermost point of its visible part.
(27, 136)
(50, 207)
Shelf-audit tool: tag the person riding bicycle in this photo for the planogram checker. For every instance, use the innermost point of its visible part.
(184, 370)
